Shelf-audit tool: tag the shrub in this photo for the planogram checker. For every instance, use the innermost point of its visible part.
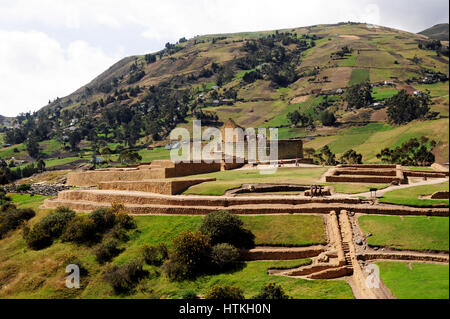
(11, 218)
(23, 188)
(175, 271)
(103, 219)
(107, 251)
(189, 295)
(271, 291)
(190, 256)
(225, 292)
(123, 278)
(155, 255)
(223, 227)
(224, 256)
(125, 221)
(80, 230)
(48, 229)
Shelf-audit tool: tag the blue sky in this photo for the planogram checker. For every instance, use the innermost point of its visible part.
(49, 48)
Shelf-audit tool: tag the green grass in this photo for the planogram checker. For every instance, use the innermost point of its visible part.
(370, 139)
(436, 89)
(355, 188)
(379, 94)
(250, 278)
(159, 153)
(61, 161)
(226, 180)
(349, 61)
(27, 200)
(297, 230)
(422, 281)
(409, 232)
(359, 76)
(46, 273)
(409, 196)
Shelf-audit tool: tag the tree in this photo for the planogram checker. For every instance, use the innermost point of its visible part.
(327, 118)
(294, 117)
(403, 107)
(32, 147)
(359, 95)
(74, 139)
(351, 157)
(413, 152)
(129, 157)
(326, 157)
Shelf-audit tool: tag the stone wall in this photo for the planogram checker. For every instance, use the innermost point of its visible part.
(164, 186)
(440, 195)
(277, 253)
(158, 170)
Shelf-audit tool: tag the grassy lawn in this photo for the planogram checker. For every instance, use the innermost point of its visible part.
(159, 153)
(355, 188)
(421, 281)
(359, 76)
(226, 180)
(41, 274)
(250, 278)
(409, 232)
(409, 196)
(383, 93)
(27, 200)
(297, 230)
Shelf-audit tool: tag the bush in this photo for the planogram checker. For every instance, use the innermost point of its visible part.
(124, 278)
(11, 218)
(23, 188)
(155, 255)
(189, 295)
(271, 291)
(103, 219)
(225, 292)
(80, 230)
(175, 271)
(190, 256)
(107, 251)
(224, 256)
(125, 221)
(223, 227)
(48, 229)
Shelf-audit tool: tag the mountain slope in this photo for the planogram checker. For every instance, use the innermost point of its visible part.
(310, 61)
(437, 32)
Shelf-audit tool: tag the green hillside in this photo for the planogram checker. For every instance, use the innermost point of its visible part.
(257, 79)
(438, 32)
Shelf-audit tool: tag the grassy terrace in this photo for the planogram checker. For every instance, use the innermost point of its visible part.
(232, 179)
(415, 280)
(45, 273)
(250, 278)
(298, 230)
(409, 232)
(410, 196)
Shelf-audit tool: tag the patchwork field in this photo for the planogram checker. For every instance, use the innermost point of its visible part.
(415, 280)
(408, 232)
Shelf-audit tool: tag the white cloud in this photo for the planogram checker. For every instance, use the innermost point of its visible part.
(35, 68)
